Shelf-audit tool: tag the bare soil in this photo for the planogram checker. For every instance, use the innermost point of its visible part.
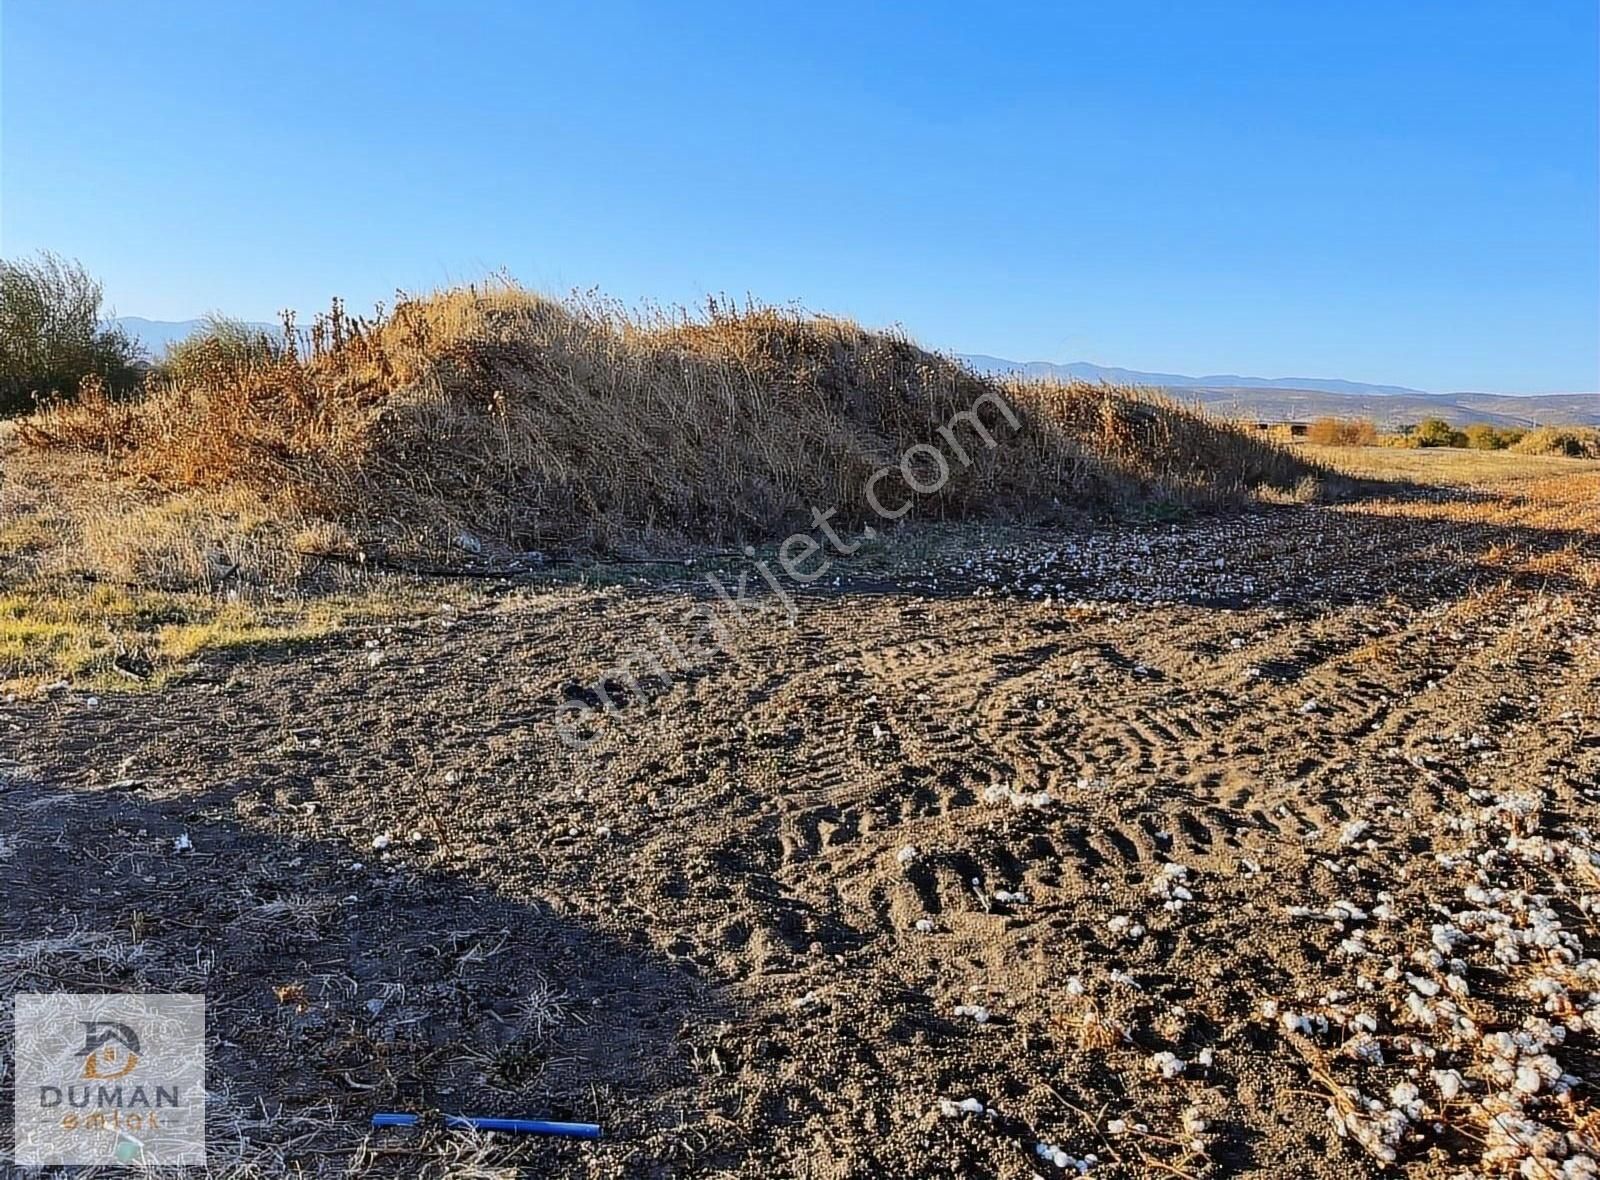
(747, 929)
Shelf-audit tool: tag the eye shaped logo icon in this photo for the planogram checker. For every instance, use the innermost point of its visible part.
(110, 1049)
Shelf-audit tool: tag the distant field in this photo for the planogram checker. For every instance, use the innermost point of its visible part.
(1451, 466)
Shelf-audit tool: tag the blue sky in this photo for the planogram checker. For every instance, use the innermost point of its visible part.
(1387, 192)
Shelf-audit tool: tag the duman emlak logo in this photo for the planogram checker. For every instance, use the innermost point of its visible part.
(110, 1049)
(110, 1079)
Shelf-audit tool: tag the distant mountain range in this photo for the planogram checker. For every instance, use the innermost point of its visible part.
(1084, 371)
(1299, 399)
(1264, 399)
(155, 335)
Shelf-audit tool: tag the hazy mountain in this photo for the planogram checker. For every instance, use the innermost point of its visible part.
(1299, 399)
(155, 335)
(1389, 411)
(1087, 372)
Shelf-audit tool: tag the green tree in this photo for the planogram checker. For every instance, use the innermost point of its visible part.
(1436, 432)
(52, 336)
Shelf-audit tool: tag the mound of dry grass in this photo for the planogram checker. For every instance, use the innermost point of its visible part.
(533, 423)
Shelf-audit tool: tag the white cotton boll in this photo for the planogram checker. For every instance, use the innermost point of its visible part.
(976, 1011)
(1353, 831)
(1311, 706)
(1449, 1083)
(1425, 986)
(1168, 1065)
(1445, 937)
(1547, 1067)
(1124, 925)
(1117, 1127)
(906, 855)
(950, 1108)
(1405, 1098)
(1500, 1044)
(381, 841)
(1075, 986)
(925, 925)
(1205, 1057)
(1296, 1022)
(181, 843)
(1528, 1079)
(1054, 1155)
(1364, 1047)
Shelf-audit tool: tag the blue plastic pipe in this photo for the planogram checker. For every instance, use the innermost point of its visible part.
(464, 1122)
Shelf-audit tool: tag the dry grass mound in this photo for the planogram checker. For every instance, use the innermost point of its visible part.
(531, 423)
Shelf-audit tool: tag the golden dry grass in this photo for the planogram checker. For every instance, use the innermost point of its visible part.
(534, 423)
(140, 534)
(109, 582)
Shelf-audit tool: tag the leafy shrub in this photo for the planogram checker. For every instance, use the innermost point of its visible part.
(1481, 436)
(1343, 432)
(1436, 432)
(1575, 442)
(52, 336)
(221, 349)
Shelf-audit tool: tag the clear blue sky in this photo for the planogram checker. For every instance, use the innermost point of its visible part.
(1393, 192)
